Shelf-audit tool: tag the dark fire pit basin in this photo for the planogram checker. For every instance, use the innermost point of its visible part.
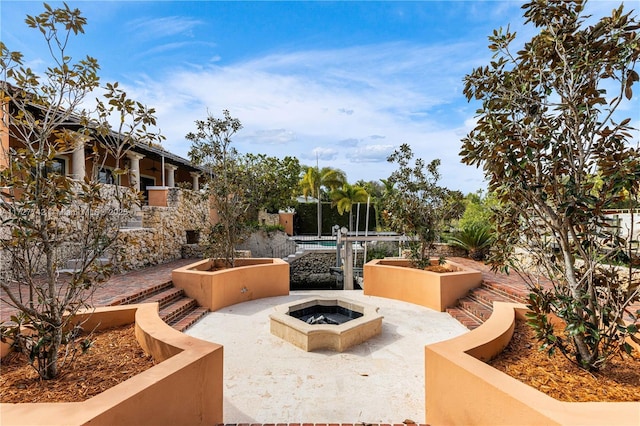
(325, 314)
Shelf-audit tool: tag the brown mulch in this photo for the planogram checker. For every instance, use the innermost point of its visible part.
(563, 380)
(441, 269)
(114, 357)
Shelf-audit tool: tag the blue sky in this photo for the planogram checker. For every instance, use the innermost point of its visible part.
(342, 82)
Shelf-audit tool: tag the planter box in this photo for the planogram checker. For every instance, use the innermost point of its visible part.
(252, 278)
(185, 387)
(396, 279)
(462, 389)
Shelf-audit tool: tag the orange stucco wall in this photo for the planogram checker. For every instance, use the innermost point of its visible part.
(286, 221)
(395, 279)
(253, 278)
(460, 388)
(158, 196)
(185, 387)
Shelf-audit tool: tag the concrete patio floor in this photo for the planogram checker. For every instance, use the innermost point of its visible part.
(268, 380)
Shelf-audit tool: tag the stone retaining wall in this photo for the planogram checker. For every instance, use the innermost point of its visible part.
(313, 270)
(164, 231)
(161, 238)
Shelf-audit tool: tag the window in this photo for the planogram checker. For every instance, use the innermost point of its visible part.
(106, 176)
(57, 166)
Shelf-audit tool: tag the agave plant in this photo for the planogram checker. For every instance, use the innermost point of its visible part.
(475, 238)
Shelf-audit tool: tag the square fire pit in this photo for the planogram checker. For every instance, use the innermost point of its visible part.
(325, 323)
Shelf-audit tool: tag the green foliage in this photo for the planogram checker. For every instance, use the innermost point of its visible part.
(344, 198)
(315, 180)
(274, 181)
(478, 210)
(46, 215)
(227, 184)
(475, 238)
(307, 215)
(547, 127)
(380, 251)
(416, 205)
(255, 226)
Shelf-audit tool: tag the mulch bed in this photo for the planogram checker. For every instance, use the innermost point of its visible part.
(114, 357)
(561, 379)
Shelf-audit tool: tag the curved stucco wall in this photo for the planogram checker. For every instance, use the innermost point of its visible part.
(462, 389)
(185, 387)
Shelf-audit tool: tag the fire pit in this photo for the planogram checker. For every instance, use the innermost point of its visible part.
(325, 323)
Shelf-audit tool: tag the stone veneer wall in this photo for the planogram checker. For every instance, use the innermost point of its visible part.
(268, 244)
(313, 270)
(164, 231)
(73, 220)
(448, 251)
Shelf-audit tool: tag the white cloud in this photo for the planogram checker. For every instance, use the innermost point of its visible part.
(167, 26)
(271, 136)
(323, 154)
(371, 153)
(326, 103)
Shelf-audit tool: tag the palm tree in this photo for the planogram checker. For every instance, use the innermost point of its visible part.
(346, 197)
(315, 179)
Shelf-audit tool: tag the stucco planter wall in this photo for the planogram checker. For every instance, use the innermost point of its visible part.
(396, 279)
(462, 389)
(184, 388)
(252, 278)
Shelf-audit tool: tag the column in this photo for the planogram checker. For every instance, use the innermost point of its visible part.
(134, 169)
(78, 166)
(170, 170)
(195, 181)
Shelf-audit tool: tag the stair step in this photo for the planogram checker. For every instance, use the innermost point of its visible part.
(465, 318)
(191, 317)
(479, 309)
(488, 295)
(177, 308)
(516, 294)
(76, 264)
(140, 296)
(165, 296)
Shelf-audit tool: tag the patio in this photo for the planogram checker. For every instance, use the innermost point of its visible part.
(269, 380)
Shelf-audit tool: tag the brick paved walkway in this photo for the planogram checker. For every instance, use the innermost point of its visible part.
(115, 290)
(515, 285)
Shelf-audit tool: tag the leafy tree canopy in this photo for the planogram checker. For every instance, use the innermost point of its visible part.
(547, 125)
(416, 205)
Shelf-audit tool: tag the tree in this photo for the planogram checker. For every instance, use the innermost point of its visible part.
(416, 205)
(314, 179)
(46, 215)
(546, 127)
(344, 198)
(134, 120)
(478, 210)
(274, 181)
(375, 189)
(227, 183)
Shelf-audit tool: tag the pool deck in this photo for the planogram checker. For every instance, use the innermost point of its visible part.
(380, 381)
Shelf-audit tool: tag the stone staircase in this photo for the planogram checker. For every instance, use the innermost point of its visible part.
(176, 309)
(475, 308)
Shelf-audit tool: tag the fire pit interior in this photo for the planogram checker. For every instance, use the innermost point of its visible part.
(325, 323)
(325, 314)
